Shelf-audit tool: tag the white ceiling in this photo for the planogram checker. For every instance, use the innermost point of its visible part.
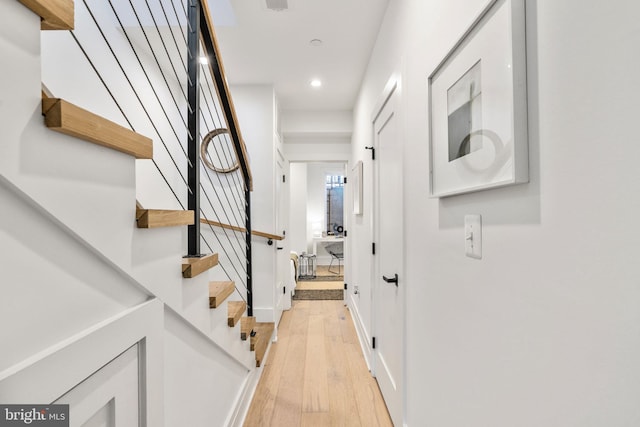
(261, 46)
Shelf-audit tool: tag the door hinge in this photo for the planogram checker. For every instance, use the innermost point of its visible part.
(344, 233)
(345, 179)
(345, 286)
(284, 178)
(373, 342)
(373, 248)
(373, 152)
(284, 289)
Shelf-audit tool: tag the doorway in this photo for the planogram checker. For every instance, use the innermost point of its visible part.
(317, 226)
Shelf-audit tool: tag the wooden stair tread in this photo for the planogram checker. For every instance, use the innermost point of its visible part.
(191, 267)
(151, 218)
(260, 341)
(55, 14)
(219, 291)
(235, 311)
(67, 118)
(246, 326)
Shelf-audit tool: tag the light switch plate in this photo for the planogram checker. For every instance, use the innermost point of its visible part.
(473, 236)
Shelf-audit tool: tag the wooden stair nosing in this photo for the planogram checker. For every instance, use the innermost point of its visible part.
(220, 291)
(54, 14)
(191, 267)
(264, 331)
(139, 210)
(260, 329)
(65, 117)
(235, 311)
(246, 326)
(152, 218)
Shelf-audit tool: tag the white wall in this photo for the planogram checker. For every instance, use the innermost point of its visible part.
(308, 204)
(317, 149)
(256, 109)
(198, 375)
(544, 329)
(308, 123)
(298, 208)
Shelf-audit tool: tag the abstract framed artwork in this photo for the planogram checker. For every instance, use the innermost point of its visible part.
(478, 106)
(357, 188)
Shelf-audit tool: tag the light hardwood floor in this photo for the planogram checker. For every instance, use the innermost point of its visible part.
(319, 285)
(315, 375)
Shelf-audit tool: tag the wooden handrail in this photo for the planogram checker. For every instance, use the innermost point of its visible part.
(241, 229)
(216, 68)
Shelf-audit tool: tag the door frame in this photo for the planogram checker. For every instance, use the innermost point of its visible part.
(344, 162)
(392, 88)
(282, 300)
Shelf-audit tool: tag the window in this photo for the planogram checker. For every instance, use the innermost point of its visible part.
(335, 204)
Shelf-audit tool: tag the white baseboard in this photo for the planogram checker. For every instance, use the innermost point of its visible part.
(238, 415)
(361, 330)
(245, 397)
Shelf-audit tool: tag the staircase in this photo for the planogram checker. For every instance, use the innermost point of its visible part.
(64, 117)
(160, 301)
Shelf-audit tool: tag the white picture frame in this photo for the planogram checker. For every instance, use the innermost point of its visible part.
(357, 188)
(478, 106)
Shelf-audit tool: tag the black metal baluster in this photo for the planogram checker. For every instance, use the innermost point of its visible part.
(193, 176)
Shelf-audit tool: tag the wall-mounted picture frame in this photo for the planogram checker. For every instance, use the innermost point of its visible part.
(357, 188)
(478, 106)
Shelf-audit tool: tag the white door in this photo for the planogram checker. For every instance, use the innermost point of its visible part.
(388, 290)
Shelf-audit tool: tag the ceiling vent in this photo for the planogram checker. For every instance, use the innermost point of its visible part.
(277, 5)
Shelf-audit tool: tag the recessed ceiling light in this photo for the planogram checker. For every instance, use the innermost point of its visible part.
(316, 83)
(203, 60)
(277, 5)
(316, 42)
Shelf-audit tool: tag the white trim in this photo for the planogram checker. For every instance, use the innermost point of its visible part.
(243, 403)
(66, 364)
(388, 90)
(245, 396)
(361, 330)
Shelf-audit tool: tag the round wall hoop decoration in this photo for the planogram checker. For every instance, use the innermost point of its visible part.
(204, 146)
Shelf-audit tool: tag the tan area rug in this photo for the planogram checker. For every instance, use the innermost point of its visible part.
(319, 294)
(323, 287)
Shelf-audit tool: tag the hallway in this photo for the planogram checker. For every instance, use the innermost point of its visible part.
(315, 375)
